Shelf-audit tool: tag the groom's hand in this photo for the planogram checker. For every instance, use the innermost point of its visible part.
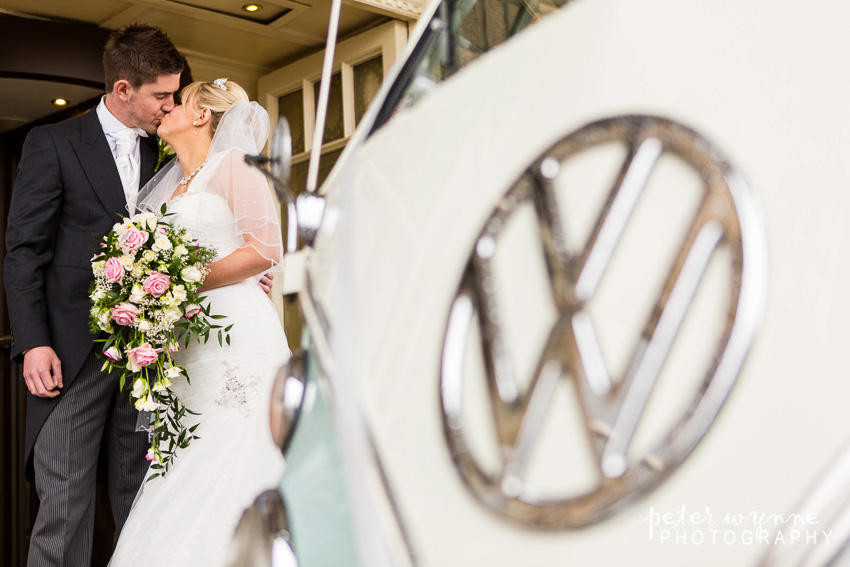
(43, 372)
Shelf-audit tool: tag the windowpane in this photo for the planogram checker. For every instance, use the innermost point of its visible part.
(368, 77)
(334, 126)
(460, 32)
(291, 106)
(299, 172)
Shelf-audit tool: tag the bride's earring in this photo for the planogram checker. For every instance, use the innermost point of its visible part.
(194, 123)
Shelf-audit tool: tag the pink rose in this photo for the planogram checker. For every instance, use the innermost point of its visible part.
(132, 239)
(142, 356)
(156, 284)
(113, 270)
(112, 353)
(125, 313)
(192, 310)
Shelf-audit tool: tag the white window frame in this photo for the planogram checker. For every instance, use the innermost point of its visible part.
(387, 40)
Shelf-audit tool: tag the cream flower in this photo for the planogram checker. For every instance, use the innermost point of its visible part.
(172, 314)
(161, 243)
(146, 220)
(127, 261)
(144, 326)
(180, 250)
(137, 294)
(179, 293)
(139, 388)
(163, 383)
(120, 227)
(191, 274)
(149, 255)
(104, 320)
(146, 404)
(97, 267)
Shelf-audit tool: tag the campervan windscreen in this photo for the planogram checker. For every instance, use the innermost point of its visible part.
(460, 32)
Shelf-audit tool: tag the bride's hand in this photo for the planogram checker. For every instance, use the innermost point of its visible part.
(242, 263)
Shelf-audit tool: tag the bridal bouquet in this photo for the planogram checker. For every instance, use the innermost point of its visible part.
(145, 295)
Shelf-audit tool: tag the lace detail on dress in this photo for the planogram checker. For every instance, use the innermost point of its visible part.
(178, 198)
(237, 393)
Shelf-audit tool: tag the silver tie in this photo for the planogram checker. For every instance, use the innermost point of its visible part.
(125, 148)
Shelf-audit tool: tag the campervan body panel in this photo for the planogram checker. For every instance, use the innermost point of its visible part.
(756, 89)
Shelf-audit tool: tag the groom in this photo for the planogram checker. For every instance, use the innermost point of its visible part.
(74, 178)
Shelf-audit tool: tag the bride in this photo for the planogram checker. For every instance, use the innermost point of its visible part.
(187, 517)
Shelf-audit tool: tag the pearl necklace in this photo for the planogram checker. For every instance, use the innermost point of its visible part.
(186, 180)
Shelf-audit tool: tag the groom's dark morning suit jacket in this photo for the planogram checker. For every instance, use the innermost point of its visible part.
(67, 195)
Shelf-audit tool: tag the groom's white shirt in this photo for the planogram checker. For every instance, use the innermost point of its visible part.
(111, 126)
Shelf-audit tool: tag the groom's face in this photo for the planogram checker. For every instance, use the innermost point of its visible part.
(150, 102)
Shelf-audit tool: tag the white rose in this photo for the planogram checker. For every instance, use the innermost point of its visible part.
(172, 372)
(172, 315)
(127, 261)
(149, 255)
(161, 243)
(191, 274)
(180, 250)
(97, 267)
(144, 326)
(97, 295)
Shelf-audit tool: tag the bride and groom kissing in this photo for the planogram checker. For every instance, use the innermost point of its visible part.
(74, 179)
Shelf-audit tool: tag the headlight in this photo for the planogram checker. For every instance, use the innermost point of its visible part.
(262, 537)
(287, 398)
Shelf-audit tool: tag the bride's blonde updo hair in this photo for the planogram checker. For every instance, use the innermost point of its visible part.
(200, 95)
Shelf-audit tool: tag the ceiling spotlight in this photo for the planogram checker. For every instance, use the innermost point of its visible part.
(252, 7)
(60, 102)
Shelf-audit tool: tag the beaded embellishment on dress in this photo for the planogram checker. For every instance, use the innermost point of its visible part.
(238, 393)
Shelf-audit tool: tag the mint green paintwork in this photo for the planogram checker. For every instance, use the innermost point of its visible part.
(314, 487)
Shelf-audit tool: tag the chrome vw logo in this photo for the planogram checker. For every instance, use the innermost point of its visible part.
(611, 407)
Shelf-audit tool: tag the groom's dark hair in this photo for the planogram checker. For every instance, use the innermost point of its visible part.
(140, 54)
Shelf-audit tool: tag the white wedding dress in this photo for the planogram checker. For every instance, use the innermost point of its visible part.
(187, 517)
